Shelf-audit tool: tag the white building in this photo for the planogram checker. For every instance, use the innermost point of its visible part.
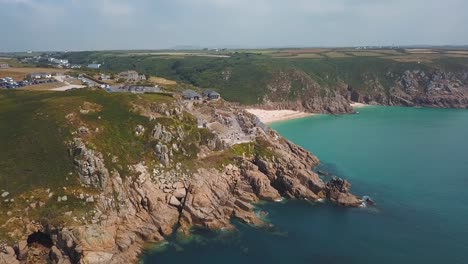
(94, 66)
(58, 61)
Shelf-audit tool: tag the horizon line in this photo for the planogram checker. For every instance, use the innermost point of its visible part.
(234, 47)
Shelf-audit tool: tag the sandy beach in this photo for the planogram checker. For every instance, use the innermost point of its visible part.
(357, 105)
(270, 116)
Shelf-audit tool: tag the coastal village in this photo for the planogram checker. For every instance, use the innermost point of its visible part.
(59, 75)
(63, 76)
(136, 83)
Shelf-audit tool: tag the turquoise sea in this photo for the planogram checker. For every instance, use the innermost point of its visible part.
(412, 161)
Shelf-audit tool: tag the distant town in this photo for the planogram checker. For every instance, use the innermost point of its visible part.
(56, 74)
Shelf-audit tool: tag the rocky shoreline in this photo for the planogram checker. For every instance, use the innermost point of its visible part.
(144, 205)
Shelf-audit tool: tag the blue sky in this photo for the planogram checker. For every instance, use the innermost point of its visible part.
(156, 24)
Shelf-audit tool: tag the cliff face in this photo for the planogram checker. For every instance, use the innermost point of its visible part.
(429, 88)
(297, 90)
(199, 169)
(435, 89)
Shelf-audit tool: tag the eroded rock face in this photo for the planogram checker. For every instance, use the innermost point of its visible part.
(161, 134)
(429, 88)
(261, 186)
(214, 198)
(296, 90)
(162, 153)
(89, 164)
(8, 256)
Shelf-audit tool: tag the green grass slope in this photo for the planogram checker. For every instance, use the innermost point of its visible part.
(32, 142)
(36, 167)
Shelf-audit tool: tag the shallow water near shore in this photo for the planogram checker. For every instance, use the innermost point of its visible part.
(412, 162)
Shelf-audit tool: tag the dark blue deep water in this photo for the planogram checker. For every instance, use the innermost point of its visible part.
(412, 162)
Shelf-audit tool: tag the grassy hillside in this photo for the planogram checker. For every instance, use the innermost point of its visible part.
(244, 77)
(34, 160)
(35, 165)
(32, 142)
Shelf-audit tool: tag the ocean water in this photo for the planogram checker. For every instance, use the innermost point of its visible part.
(412, 162)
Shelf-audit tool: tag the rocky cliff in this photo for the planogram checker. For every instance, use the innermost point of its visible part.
(200, 164)
(428, 88)
(297, 90)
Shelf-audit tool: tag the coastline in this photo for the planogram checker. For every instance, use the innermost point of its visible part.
(271, 116)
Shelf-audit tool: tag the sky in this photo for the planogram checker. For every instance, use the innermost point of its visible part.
(57, 25)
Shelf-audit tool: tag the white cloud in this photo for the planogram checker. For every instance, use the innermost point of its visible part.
(116, 23)
(111, 8)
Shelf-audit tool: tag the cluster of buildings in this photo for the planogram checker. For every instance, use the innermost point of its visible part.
(132, 76)
(4, 66)
(210, 95)
(62, 63)
(126, 76)
(37, 76)
(48, 59)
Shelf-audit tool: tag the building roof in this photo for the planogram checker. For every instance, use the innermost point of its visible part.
(209, 92)
(190, 94)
